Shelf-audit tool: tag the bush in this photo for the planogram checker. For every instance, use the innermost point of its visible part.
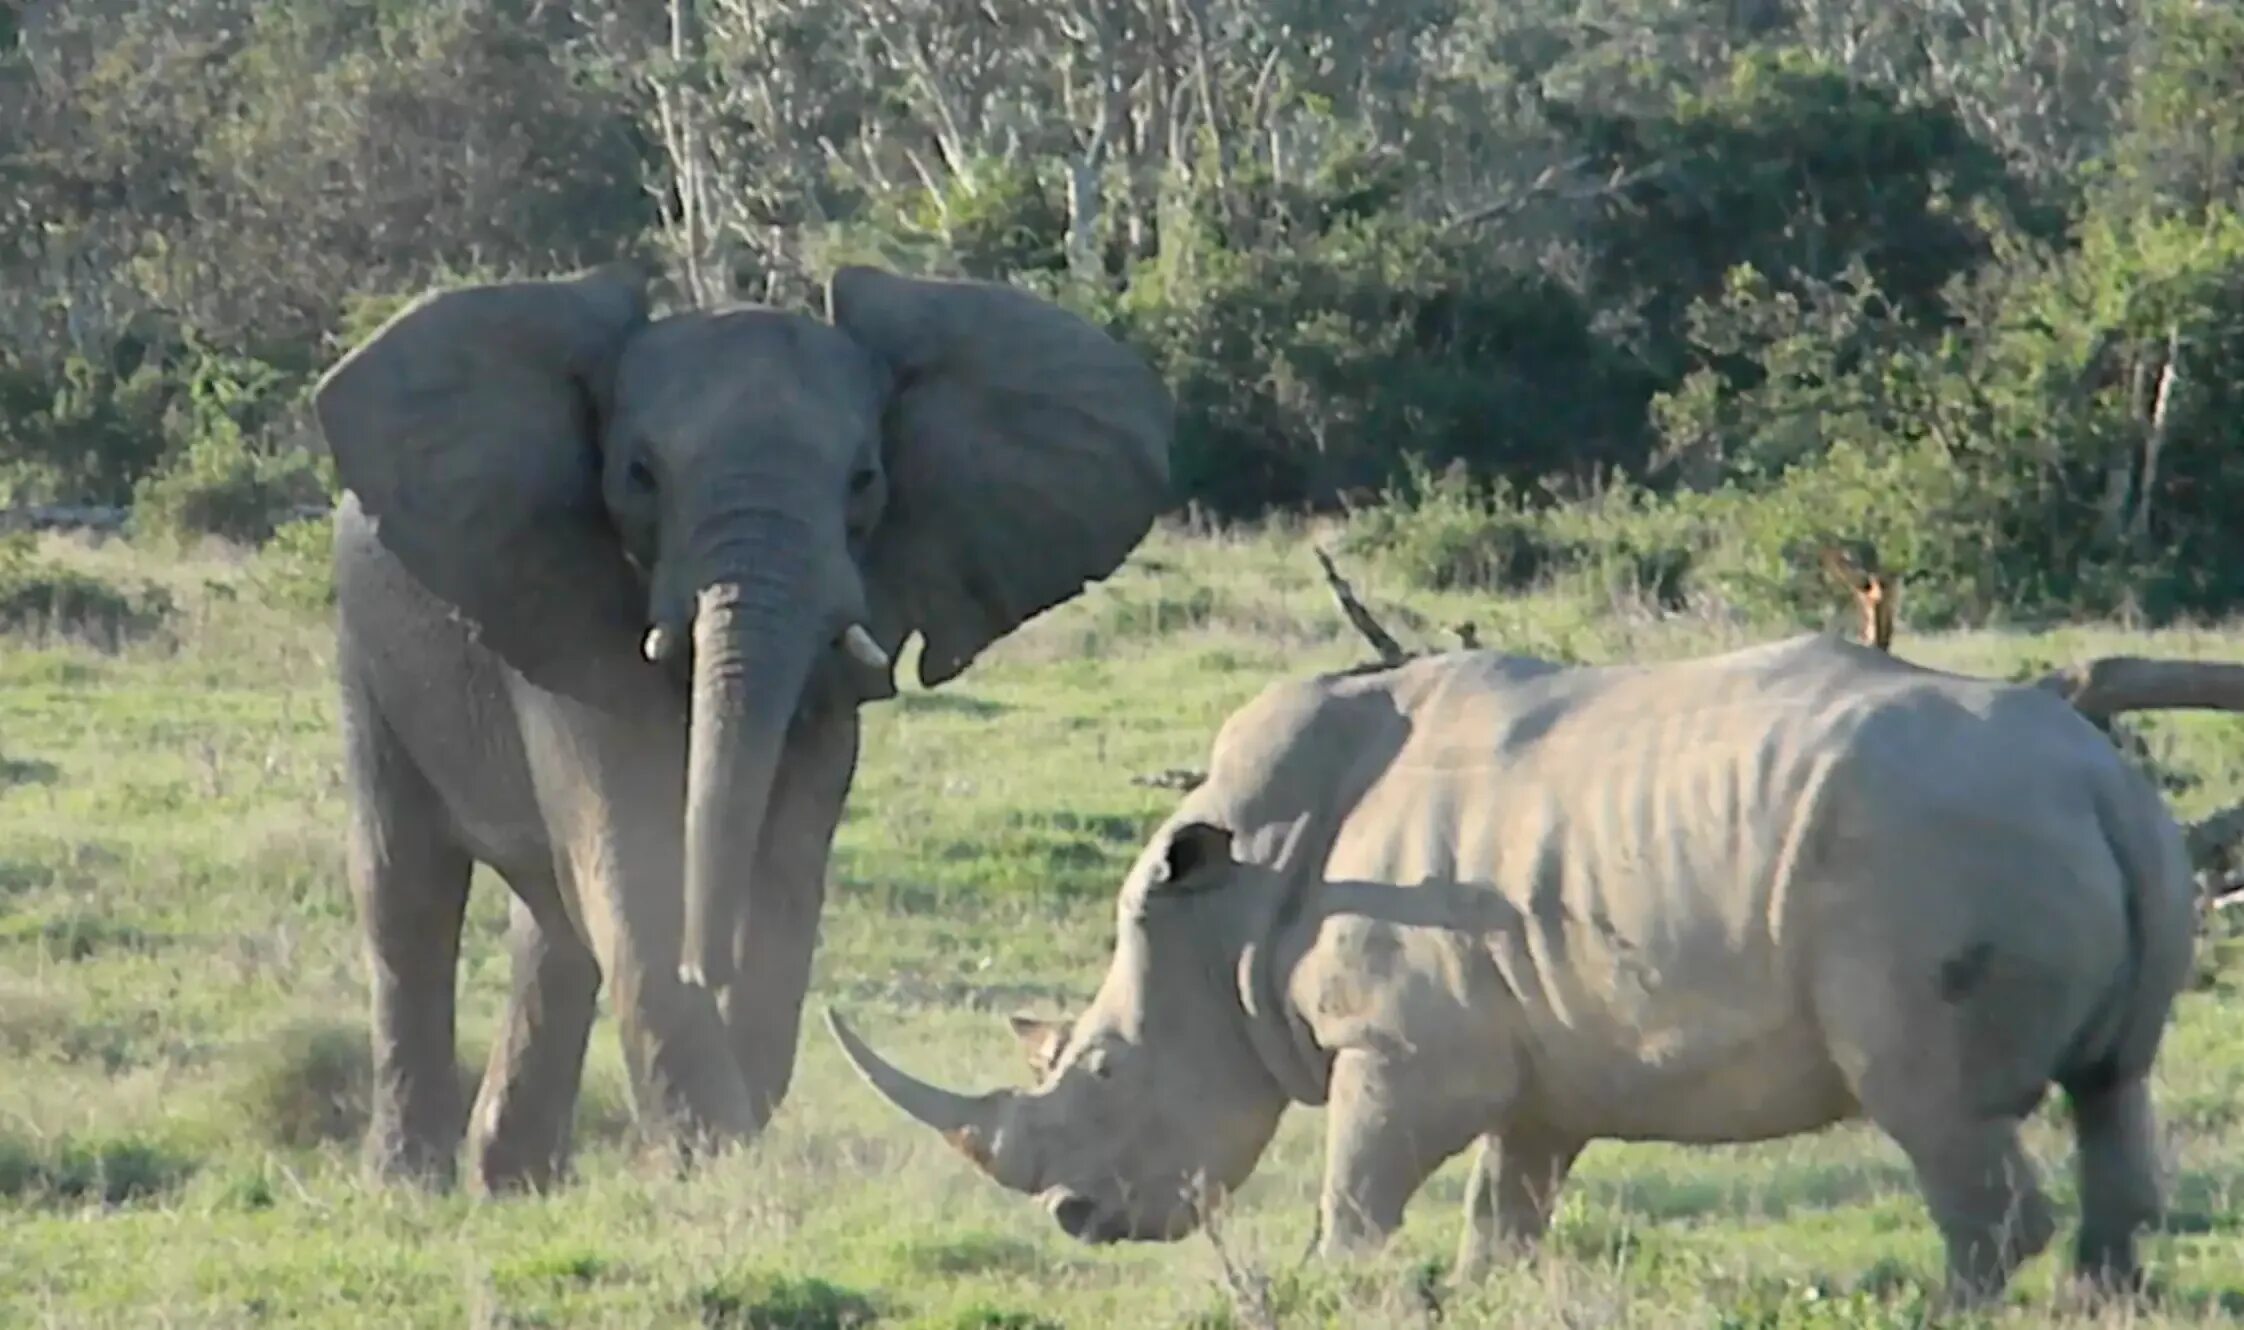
(1794, 168)
(1318, 359)
(309, 1084)
(295, 570)
(66, 1170)
(780, 1302)
(1750, 553)
(81, 432)
(1448, 530)
(220, 486)
(39, 595)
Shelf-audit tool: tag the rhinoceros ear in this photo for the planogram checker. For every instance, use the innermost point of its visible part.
(1196, 853)
(1042, 1040)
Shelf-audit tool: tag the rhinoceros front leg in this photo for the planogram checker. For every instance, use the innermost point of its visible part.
(1512, 1194)
(1388, 1129)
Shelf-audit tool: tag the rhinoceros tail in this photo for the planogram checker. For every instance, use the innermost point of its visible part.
(2161, 910)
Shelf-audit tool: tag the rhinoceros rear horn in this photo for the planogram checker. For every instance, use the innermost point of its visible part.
(968, 1122)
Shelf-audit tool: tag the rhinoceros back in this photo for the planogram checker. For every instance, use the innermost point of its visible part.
(1641, 867)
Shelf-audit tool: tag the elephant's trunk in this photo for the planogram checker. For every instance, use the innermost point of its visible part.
(753, 651)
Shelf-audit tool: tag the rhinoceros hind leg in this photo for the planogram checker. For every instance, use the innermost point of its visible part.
(1983, 1193)
(2116, 1133)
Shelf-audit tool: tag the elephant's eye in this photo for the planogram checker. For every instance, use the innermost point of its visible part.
(640, 477)
(861, 481)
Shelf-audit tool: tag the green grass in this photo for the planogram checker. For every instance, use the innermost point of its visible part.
(182, 1071)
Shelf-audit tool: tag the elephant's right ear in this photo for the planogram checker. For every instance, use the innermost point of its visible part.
(466, 427)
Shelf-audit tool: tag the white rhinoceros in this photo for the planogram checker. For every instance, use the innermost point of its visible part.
(1480, 897)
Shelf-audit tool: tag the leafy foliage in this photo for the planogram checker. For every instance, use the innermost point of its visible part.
(38, 594)
(1661, 295)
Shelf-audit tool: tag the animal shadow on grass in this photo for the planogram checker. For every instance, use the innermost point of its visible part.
(310, 1084)
(18, 875)
(779, 1302)
(1792, 1188)
(27, 771)
(955, 704)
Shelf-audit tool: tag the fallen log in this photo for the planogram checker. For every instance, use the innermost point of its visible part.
(2113, 684)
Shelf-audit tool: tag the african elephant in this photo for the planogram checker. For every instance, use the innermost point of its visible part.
(611, 588)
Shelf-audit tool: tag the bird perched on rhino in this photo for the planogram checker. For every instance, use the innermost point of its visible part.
(1484, 898)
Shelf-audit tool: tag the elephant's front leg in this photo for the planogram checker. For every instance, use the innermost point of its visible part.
(778, 931)
(609, 788)
(411, 884)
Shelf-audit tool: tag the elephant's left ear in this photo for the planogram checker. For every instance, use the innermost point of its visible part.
(1027, 454)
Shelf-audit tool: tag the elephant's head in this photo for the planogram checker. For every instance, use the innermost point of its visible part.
(795, 496)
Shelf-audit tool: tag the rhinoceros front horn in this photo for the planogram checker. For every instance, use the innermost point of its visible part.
(968, 1122)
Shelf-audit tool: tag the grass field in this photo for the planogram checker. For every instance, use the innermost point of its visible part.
(181, 1048)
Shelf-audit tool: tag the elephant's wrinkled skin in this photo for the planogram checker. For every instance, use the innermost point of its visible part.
(1479, 897)
(611, 590)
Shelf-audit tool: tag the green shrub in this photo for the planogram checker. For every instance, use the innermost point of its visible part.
(1752, 553)
(39, 595)
(1318, 363)
(295, 569)
(309, 1084)
(82, 431)
(780, 1302)
(1448, 530)
(94, 430)
(111, 1171)
(1790, 166)
(220, 486)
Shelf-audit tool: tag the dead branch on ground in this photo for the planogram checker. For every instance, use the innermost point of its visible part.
(1172, 778)
(2113, 684)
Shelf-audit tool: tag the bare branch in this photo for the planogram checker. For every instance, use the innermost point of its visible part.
(1390, 651)
(1545, 186)
(2154, 439)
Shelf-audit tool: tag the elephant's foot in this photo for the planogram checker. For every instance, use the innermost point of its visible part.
(423, 1159)
(687, 1088)
(524, 1114)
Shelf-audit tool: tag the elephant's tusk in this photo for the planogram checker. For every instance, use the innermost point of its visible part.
(659, 645)
(863, 649)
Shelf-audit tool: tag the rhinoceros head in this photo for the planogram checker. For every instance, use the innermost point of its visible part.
(1149, 1105)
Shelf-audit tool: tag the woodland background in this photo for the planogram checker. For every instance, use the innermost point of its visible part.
(1590, 323)
(1650, 295)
